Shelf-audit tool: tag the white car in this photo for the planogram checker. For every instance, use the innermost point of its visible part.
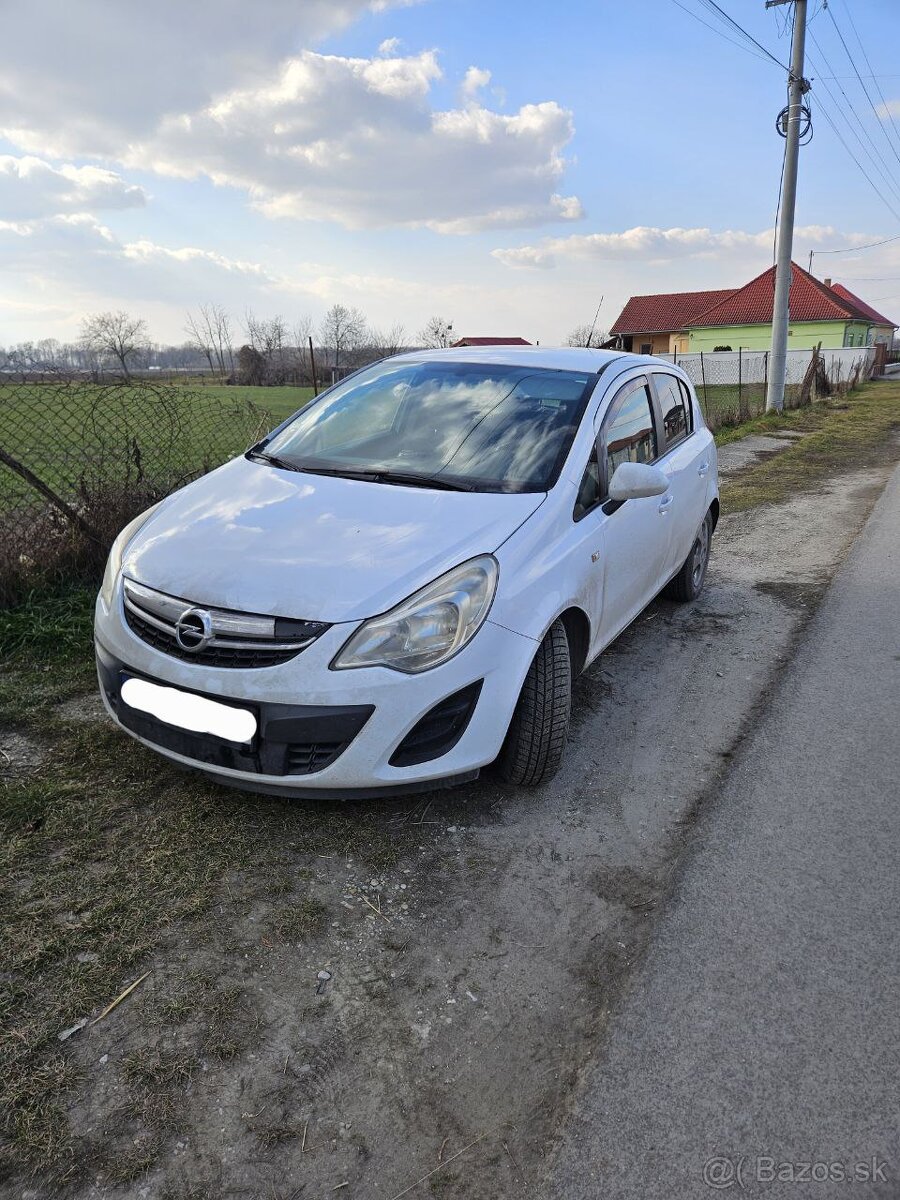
(399, 585)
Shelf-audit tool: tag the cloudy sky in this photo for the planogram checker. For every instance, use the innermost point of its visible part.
(502, 165)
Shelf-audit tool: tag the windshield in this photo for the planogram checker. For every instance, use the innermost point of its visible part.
(476, 426)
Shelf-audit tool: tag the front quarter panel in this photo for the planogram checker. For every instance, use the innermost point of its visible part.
(545, 567)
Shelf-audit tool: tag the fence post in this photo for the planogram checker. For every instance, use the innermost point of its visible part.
(703, 377)
(312, 363)
(675, 356)
(740, 383)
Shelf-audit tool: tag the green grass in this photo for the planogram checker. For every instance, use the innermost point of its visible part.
(57, 625)
(857, 431)
(72, 434)
(281, 402)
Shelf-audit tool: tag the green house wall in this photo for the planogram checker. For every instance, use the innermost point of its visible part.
(803, 335)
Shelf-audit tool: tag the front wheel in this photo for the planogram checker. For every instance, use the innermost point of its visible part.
(688, 583)
(536, 739)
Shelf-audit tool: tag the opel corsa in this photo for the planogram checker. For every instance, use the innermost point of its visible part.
(398, 586)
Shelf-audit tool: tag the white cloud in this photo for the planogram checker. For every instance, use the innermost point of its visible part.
(354, 140)
(232, 91)
(76, 257)
(652, 245)
(31, 188)
(889, 109)
(87, 78)
(475, 79)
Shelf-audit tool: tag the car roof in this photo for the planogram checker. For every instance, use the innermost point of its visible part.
(559, 358)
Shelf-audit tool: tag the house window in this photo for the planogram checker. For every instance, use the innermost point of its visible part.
(646, 347)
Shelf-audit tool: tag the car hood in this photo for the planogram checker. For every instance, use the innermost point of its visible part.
(255, 538)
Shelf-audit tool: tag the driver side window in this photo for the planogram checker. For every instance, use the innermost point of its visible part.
(630, 435)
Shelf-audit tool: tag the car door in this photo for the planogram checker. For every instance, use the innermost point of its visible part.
(634, 533)
(686, 458)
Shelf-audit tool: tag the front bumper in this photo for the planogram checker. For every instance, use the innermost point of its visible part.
(348, 724)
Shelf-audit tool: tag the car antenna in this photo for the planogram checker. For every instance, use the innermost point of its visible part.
(594, 324)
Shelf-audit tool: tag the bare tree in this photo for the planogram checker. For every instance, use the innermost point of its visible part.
(386, 343)
(437, 333)
(300, 336)
(268, 336)
(585, 335)
(209, 331)
(342, 331)
(116, 337)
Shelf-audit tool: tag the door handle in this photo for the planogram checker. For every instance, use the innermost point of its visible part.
(703, 469)
(666, 504)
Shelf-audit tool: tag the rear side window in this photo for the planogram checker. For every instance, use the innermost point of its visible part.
(630, 435)
(675, 406)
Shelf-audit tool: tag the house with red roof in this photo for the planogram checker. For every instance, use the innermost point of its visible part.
(659, 324)
(883, 328)
(741, 318)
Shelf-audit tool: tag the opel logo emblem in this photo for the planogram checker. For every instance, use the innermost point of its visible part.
(194, 630)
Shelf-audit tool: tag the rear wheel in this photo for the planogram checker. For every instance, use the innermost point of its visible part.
(688, 583)
(536, 739)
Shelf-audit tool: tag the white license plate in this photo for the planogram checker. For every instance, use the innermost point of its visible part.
(185, 711)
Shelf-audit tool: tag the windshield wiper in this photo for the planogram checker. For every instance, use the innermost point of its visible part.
(264, 456)
(424, 481)
(388, 476)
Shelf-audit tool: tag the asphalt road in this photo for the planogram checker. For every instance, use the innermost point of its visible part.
(762, 1029)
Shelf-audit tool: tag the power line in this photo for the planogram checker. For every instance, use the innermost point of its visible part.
(873, 75)
(867, 246)
(884, 169)
(862, 169)
(862, 84)
(711, 4)
(716, 31)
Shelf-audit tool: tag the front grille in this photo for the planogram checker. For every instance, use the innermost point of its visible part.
(232, 639)
(305, 758)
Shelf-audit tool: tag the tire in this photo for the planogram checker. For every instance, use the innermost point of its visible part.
(688, 583)
(537, 733)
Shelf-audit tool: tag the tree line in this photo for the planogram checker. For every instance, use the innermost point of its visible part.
(257, 351)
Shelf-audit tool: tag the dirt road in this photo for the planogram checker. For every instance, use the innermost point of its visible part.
(472, 960)
(760, 1033)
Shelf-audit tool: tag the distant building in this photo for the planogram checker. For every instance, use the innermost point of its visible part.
(741, 318)
(658, 324)
(490, 341)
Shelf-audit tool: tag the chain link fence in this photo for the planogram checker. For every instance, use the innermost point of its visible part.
(78, 460)
(731, 384)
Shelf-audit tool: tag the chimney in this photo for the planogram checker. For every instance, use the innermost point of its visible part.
(827, 282)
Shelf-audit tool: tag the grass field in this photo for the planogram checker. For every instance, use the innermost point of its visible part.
(279, 401)
(66, 433)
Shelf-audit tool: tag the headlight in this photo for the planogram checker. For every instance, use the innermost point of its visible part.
(428, 628)
(114, 562)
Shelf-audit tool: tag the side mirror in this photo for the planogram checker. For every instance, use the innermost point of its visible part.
(633, 480)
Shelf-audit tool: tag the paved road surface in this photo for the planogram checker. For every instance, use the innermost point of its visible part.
(765, 1019)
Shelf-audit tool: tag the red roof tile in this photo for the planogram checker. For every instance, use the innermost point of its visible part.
(491, 341)
(810, 300)
(665, 313)
(864, 308)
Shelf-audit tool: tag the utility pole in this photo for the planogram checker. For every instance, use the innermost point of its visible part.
(795, 113)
